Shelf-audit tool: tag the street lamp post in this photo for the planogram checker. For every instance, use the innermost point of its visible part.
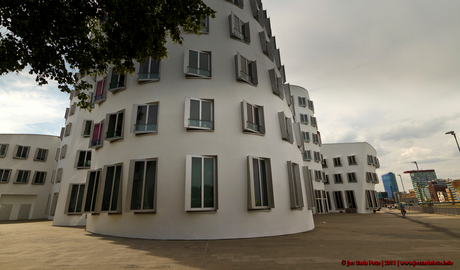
(416, 164)
(405, 196)
(455, 137)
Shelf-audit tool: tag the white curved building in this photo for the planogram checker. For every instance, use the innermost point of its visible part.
(198, 146)
(27, 164)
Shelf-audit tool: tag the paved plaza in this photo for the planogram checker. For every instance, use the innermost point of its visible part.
(337, 238)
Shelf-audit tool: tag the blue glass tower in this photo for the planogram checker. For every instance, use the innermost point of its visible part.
(390, 185)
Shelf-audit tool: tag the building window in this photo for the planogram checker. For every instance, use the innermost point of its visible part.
(39, 178)
(68, 127)
(5, 175)
(375, 178)
(75, 199)
(307, 155)
(56, 157)
(352, 160)
(205, 25)
(337, 162)
(302, 101)
(117, 80)
(276, 81)
(62, 133)
(369, 202)
(295, 185)
(287, 133)
(238, 3)
(260, 183)
(352, 177)
(246, 70)
(303, 118)
(310, 105)
(313, 122)
(83, 159)
(315, 138)
(22, 177)
(326, 179)
(376, 162)
(114, 126)
(141, 195)
(63, 151)
(72, 109)
(111, 195)
(268, 45)
(3, 149)
(338, 199)
(324, 163)
(100, 92)
(369, 177)
(306, 136)
(201, 183)
(370, 160)
(149, 71)
(338, 178)
(317, 156)
(239, 29)
(145, 118)
(197, 64)
(41, 154)
(318, 176)
(87, 124)
(67, 111)
(199, 114)
(253, 118)
(351, 201)
(91, 191)
(58, 175)
(22, 152)
(96, 135)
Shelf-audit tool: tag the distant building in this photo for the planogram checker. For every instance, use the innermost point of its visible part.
(455, 189)
(390, 185)
(437, 191)
(420, 180)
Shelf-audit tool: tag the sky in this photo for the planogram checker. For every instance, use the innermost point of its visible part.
(386, 72)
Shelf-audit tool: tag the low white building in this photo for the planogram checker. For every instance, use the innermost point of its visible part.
(350, 176)
(27, 164)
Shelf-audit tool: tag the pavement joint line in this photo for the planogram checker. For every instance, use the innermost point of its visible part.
(204, 255)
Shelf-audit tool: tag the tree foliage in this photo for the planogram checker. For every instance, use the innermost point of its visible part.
(58, 38)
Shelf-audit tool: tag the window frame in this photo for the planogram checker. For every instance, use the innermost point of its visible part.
(147, 118)
(151, 76)
(120, 83)
(68, 128)
(338, 205)
(188, 184)
(86, 162)
(100, 135)
(21, 148)
(118, 119)
(187, 114)
(295, 185)
(337, 162)
(72, 109)
(243, 34)
(95, 191)
(45, 156)
(205, 26)
(287, 132)
(129, 192)
(307, 155)
(63, 151)
(352, 160)
(238, 3)
(78, 197)
(302, 101)
(113, 193)
(326, 179)
(338, 179)
(317, 156)
(248, 127)
(276, 81)
(269, 184)
(250, 67)
(58, 175)
(315, 138)
(304, 118)
(192, 75)
(318, 176)
(40, 175)
(3, 149)
(84, 128)
(101, 84)
(351, 177)
(313, 122)
(18, 172)
(306, 136)
(2, 176)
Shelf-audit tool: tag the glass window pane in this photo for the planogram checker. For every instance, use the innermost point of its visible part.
(204, 61)
(141, 117)
(255, 167)
(144, 68)
(208, 182)
(250, 115)
(116, 187)
(193, 59)
(206, 111)
(111, 127)
(263, 180)
(73, 199)
(153, 115)
(89, 195)
(81, 191)
(107, 189)
(195, 109)
(149, 185)
(154, 67)
(136, 195)
(196, 182)
(119, 125)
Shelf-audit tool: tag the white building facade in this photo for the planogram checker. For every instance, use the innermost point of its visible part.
(198, 146)
(27, 164)
(350, 177)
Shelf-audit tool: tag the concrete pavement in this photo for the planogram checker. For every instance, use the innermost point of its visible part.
(336, 238)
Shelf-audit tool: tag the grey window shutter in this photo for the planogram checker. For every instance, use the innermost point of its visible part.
(240, 3)
(298, 185)
(260, 18)
(262, 119)
(273, 80)
(283, 74)
(255, 80)
(308, 187)
(298, 134)
(263, 42)
(253, 8)
(287, 91)
(247, 35)
(278, 58)
(282, 120)
(238, 66)
(244, 114)
(271, 201)
(291, 185)
(290, 131)
(231, 23)
(267, 25)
